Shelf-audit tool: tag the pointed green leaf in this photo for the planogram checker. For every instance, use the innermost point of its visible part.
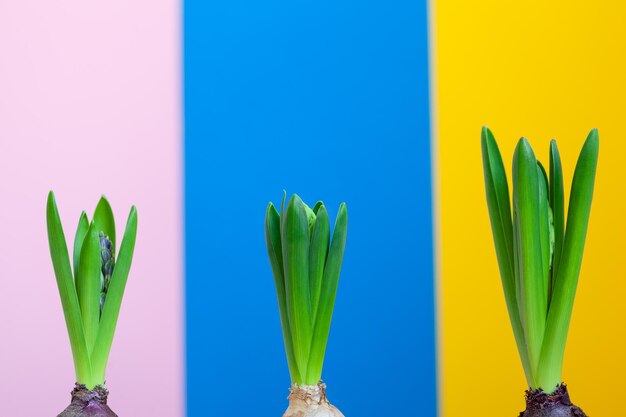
(112, 305)
(320, 239)
(104, 220)
(498, 202)
(544, 229)
(317, 206)
(543, 179)
(88, 285)
(274, 250)
(81, 231)
(557, 205)
(571, 259)
(67, 291)
(526, 202)
(328, 294)
(311, 218)
(282, 204)
(295, 245)
(520, 295)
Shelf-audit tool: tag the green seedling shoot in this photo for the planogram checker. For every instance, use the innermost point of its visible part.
(539, 250)
(306, 264)
(92, 286)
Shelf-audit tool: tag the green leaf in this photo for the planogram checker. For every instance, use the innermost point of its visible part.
(320, 239)
(519, 287)
(282, 204)
(317, 206)
(81, 231)
(566, 281)
(311, 218)
(557, 205)
(328, 294)
(274, 250)
(104, 219)
(533, 295)
(113, 303)
(499, 205)
(67, 292)
(88, 285)
(544, 229)
(295, 245)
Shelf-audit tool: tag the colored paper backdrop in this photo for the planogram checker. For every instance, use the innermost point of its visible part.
(89, 104)
(330, 100)
(542, 70)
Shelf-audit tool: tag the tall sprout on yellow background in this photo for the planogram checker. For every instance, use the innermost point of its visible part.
(539, 254)
(91, 290)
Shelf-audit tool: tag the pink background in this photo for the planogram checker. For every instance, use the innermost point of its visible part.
(90, 105)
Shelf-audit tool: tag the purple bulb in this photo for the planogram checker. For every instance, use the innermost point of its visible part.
(88, 403)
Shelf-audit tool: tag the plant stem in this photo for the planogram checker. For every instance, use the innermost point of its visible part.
(88, 285)
(525, 200)
(321, 328)
(549, 375)
(274, 247)
(295, 244)
(67, 292)
(111, 311)
(498, 202)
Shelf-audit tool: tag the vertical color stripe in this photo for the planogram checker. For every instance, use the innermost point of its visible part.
(543, 70)
(330, 100)
(89, 104)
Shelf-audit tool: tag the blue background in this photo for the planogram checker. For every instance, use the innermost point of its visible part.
(328, 99)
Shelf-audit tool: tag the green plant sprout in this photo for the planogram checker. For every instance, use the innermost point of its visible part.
(306, 265)
(91, 288)
(538, 256)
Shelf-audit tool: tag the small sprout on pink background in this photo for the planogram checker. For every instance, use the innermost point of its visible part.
(91, 291)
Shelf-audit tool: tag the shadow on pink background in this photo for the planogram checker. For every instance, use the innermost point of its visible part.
(89, 105)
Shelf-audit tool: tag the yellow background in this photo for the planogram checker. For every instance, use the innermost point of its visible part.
(539, 69)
